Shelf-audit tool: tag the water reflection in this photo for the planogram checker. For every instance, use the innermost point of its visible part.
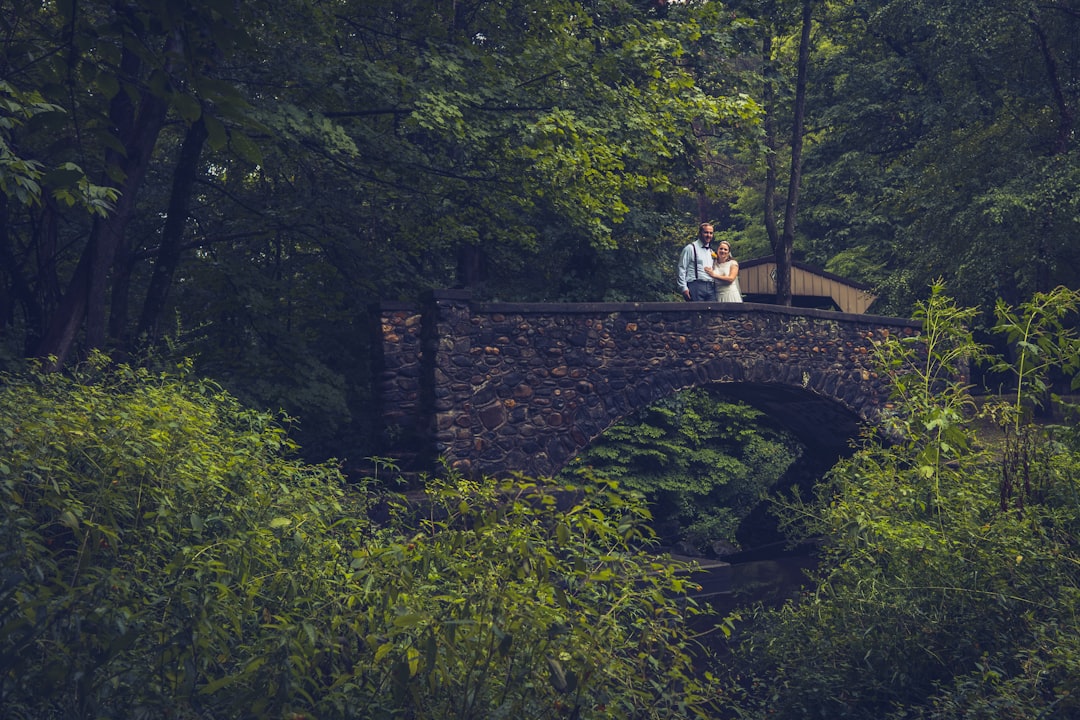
(768, 576)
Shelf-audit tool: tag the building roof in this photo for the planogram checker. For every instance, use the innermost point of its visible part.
(757, 277)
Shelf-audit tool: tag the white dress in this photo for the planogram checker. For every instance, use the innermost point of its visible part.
(727, 292)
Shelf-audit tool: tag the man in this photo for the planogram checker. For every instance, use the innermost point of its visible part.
(695, 283)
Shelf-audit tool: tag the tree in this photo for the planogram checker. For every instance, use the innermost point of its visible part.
(117, 72)
(901, 186)
(295, 163)
(21, 181)
(783, 240)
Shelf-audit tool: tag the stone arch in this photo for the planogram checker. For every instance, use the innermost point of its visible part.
(496, 388)
(804, 403)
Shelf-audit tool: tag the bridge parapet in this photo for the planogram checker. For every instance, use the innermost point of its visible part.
(496, 388)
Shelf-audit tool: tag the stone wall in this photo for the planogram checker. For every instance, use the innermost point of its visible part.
(499, 387)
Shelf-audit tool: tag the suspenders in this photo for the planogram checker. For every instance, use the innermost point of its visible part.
(694, 246)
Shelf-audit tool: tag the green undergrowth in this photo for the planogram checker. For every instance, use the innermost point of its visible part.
(949, 584)
(165, 555)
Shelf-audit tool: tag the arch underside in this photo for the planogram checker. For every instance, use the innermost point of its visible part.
(824, 425)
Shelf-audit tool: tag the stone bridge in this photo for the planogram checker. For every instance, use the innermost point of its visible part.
(495, 388)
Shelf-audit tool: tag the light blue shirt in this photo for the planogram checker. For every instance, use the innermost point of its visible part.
(694, 259)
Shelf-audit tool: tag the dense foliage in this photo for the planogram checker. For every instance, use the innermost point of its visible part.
(162, 556)
(944, 145)
(245, 179)
(251, 178)
(704, 464)
(950, 584)
(271, 169)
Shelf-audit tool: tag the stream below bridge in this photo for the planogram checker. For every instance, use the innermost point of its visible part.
(770, 575)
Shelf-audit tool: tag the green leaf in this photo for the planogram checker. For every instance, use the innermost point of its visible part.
(245, 148)
(562, 533)
(68, 520)
(188, 107)
(217, 135)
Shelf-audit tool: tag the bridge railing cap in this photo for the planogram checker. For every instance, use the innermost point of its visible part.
(451, 294)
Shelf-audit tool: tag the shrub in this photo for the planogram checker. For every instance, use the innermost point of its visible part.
(950, 586)
(163, 555)
(154, 532)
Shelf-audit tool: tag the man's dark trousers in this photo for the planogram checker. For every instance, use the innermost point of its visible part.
(702, 290)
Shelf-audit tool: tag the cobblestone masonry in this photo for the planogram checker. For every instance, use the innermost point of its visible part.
(497, 387)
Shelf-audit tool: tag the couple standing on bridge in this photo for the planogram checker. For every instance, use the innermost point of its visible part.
(707, 275)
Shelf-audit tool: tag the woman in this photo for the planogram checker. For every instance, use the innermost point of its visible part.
(725, 271)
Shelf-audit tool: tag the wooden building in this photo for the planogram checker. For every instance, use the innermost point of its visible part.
(811, 287)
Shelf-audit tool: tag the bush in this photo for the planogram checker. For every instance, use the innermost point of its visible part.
(155, 532)
(950, 585)
(163, 556)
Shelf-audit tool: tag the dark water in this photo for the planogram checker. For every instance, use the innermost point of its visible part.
(769, 579)
(768, 576)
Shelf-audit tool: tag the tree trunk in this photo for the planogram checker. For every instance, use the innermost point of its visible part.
(123, 263)
(470, 267)
(783, 251)
(137, 128)
(768, 97)
(34, 289)
(172, 235)
(1065, 115)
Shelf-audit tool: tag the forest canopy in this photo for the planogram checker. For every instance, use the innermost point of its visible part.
(244, 182)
